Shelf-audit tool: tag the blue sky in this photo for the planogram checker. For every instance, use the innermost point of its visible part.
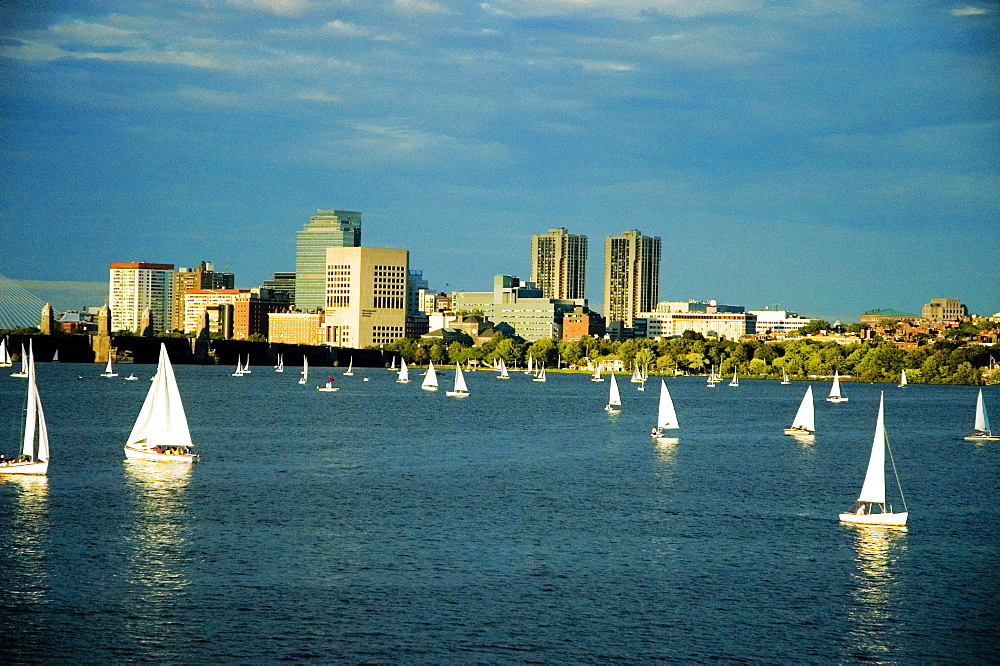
(828, 155)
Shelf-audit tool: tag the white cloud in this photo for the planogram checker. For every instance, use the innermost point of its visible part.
(623, 9)
(605, 66)
(207, 97)
(969, 11)
(284, 8)
(345, 29)
(319, 96)
(420, 6)
(94, 34)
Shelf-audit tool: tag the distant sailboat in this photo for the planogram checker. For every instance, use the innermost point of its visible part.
(902, 379)
(614, 398)
(131, 377)
(328, 387)
(34, 458)
(281, 363)
(636, 377)
(5, 361)
(784, 377)
(460, 390)
(531, 366)
(392, 367)
(666, 416)
(55, 356)
(713, 379)
(109, 371)
(305, 370)
(503, 371)
(239, 367)
(982, 432)
(246, 366)
(736, 379)
(804, 422)
(350, 368)
(597, 374)
(430, 382)
(835, 395)
(23, 372)
(161, 429)
(540, 377)
(873, 491)
(404, 372)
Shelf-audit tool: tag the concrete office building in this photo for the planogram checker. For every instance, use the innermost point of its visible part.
(296, 328)
(283, 282)
(944, 309)
(519, 305)
(135, 286)
(203, 276)
(631, 276)
(559, 264)
(198, 302)
(365, 296)
(328, 228)
(713, 325)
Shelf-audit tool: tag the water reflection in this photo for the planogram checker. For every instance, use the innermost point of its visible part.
(27, 576)
(158, 560)
(874, 586)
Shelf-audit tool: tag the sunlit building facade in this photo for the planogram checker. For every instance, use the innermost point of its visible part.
(631, 276)
(326, 229)
(366, 296)
(559, 264)
(135, 286)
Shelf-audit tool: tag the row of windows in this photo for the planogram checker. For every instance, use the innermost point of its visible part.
(338, 301)
(388, 302)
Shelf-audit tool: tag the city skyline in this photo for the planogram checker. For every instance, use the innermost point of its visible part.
(827, 158)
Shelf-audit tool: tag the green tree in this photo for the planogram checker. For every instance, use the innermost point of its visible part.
(438, 353)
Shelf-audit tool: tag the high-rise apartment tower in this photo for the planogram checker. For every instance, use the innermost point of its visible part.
(328, 228)
(136, 286)
(559, 264)
(631, 276)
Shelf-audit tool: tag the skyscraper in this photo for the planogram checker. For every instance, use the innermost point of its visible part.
(559, 264)
(365, 296)
(136, 286)
(631, 275)
(328, 228)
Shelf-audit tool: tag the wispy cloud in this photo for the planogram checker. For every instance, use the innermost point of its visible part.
(420, 6)
(969, 11)
(319, 96)
(284, 8)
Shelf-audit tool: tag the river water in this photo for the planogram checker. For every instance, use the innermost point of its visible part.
(383, 523)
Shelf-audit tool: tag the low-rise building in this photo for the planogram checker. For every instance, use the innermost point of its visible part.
(778, 322)
(520, 305)
(944, 309)
(715, 325)
(296, 328)
(581, 323)
(875, 316)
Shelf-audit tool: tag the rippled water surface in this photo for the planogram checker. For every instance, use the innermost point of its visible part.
(384, 523)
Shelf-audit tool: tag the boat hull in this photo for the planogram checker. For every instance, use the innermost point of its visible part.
(457, 394)
(983, 438)
(798, 432)
(325, 389)
(837, 399)
(149, 454)
(41, 467)
(885, 519)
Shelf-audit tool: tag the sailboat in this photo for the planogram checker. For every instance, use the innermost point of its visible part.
(666, 416)
(404, 372)
(784, 377)
(982, 432)
(503, 371)
(239, 367)
(713, 379)
(161, 429)
(23, 372)
(281, 363)
(4, 354)
(430, 382)
(873, 491)
(305, 370)
(531, 366)
(109, 371)
(392, 368)
(350, 368)
(804, 422)
(34, 457)
(246, 366)
(540, 377)
(902, 379)
(636, 375)
(736, 379)
(55, 356)
(328, 387)
(835, 395)
(131, 377)
(597, 374)
(460, 390)
(615, 399)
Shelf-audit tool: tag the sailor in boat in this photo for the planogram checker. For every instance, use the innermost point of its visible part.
(329, 382)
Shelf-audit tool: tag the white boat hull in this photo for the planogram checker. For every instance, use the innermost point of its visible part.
(837, 399)
(799, 432)
(150, 454)
(41, 467)
(887, 519)
(457, 394)
(983, 438)
(327, 389)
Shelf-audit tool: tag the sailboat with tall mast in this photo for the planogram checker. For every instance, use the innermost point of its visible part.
(5, 361)
(804, 423)
(23, 372)
(281, 363)
(350, 368)
(614, 397)
(902, 379)
(540, 377)
(666, 416)
(34, 458)
(404, 372)
(835, 394)
(239, 367)
(460, 390)
(109, 370)
(161, 429)
(982, 432)
(597, 373)
(305, 370)
(784, 377)
(870, 508)
(430, 382)
(503, 371)
(736, 380)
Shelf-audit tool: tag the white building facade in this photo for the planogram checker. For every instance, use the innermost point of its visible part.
(135, 286)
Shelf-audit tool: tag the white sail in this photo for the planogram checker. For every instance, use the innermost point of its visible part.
(902, 379)
(305, 370)
(161, 420)
(540, 377)
(531, 365)
(393, 366)
(23, 372)
(281, 363)
(636, 375)
(430, 382)
(404, 372)
(982, 418)
(784, 378)
(36, 435)
(614, 398)
(246, 366)
(805, 418)
(503, 371)
(4, 354)
(109, 371)
(460, 389)
(666, 416)
(597, 374)
(835, 388)
(736, 379)
(238, 372)
(350, 368)
(873, 489)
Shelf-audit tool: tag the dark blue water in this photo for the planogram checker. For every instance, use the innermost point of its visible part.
(383, 523)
